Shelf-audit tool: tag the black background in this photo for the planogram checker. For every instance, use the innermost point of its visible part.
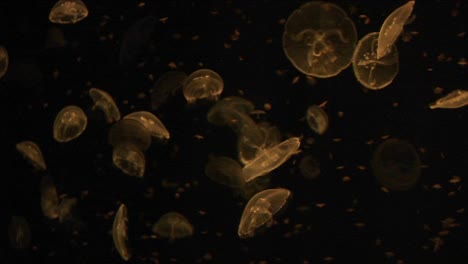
(398, 226)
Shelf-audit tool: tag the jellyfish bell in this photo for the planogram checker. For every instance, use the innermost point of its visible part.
(69, 123)
(173, 226)
(104, 101)
(68, 12)
(396, 165)
(120, 232)
(319, 39)
(49, 198)
(373, 73)
(167, 85)
(254, 138)
(455, 99)
(151, 123)
(317, 119)
(260, 210)
(32, 153)
(129, 159)
(203, 84)
(392, 28)
(131, 132)
(4, 61)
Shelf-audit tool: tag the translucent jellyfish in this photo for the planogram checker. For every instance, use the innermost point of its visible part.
(371, 72)
(396, 165)
(49, 198)
(260, 210)
(69, 124)
(231, 111)
(309, 167)
(4, 61)
(65, 209)
(225, 171)
(106, 103)
(19, 233)
(255, 138)
(270, 159)
(129, 159)
(319, 39)
(203, 84)
(392, 28)
(167, 85)
(137, 40)
(317, 119)
(120, 232)
(454, 99)
(131, 132)
(151, 123)
(173, 226)
(32, 153)
(68, 12)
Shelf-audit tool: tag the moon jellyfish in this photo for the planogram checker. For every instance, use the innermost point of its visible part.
(270, 159)
(167, 85)
(68, 12)
(32, 153)
(371, 72)
(131, 132)
(231, 111)
(317, 119)
(455, 99)
(136, 41)
(173, 226)
(203, 84)
(4, 61)
(106, 103)
(19, 233)
(65, 209)
(309, 167)
(129, 159)
(260, 210)
(151, 123)
(396, 165)
(69, 124)
(255, 138)
(319, 39)
(225, 171)
(120, 232)
(49, 198)
(392, 28)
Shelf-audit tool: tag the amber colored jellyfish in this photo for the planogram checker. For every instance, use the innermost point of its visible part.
(4, 61)
(32, 153)
(49, 198)
(19, 233)
(129, 159)
(396, 165)
(69, 124)
(120, 232)
(371, 72)
(151, 123)
(173, 226)
(455, 99)
(319, 39)
(167, 85)
(104, 101)
(130, 131)
(254, 138)
(68, 12)
(203, 84)
(317, 119)
(260, 210)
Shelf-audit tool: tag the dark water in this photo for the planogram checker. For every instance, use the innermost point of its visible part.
(359, 221)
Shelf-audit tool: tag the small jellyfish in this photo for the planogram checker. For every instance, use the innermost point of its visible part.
(68, 12)
(4, 61)
(120, 232)
(69, 124)
(231, 111)
(131, 132)
(396, 165)
(309, 167)
(225, 171)
(392, 28)
(150, 122)
(203, 84)
(129, 159)
(137, 41)
(106, 103)
(167, 85)
(32, 153)
(371, 72)
(49, 198)
(319, 39)
(317, 119)
(65, 209)
(19, 233)
(255, 138)
(455, 99)
(260, 210)
(173, 226)
(270, 159)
